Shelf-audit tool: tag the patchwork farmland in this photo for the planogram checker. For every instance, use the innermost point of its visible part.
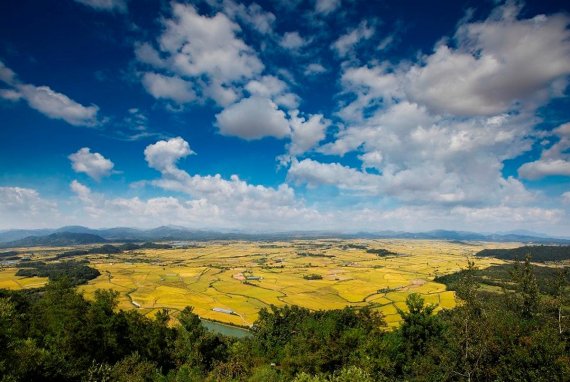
(230, 281)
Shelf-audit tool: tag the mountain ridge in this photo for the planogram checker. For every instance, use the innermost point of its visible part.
(56, 239)
(72, 235)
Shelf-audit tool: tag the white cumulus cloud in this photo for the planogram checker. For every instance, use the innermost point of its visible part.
(206, 51)
(253, 118)
(554, 160)
(93, 164)
(314, 173)
(163, 155)
(306, 133)
(439, 130)
(252, 15)
(314, 68)
(47, 101)
(544, 167)
(292, 40)
(272, 87)
(59, 106)
(173, 88)
(497, 63)
(326, 6)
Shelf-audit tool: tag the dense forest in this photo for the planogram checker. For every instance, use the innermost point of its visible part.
(498, 277)
(381, 252)
(109, 249)
(519, 334)
(539, 253)
(76, 272)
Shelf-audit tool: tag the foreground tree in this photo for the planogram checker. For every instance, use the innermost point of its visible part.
(469, 325)
(527, 292)
(419, 324)
(561, 298)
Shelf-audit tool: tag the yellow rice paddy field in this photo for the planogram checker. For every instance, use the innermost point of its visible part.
(230, 281)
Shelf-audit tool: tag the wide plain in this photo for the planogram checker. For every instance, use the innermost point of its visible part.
(241, 277)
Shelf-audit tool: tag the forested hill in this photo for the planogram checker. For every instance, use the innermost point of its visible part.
(56, 239)
(538, 253)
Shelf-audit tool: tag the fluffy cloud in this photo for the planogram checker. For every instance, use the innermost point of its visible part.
(10, 95)
(173, 88)
(544, 167)
(314, 68)
(387, 129)
(47, 101)
(371, 159)
(204, 213)
(93, 164)
(239, 205)
(242, 206)
(410, 185)
(405, 185)
(215, 201)
(315, 174)
(252, 15)
(553, 161)
(100, 210)
(428, 158)
(306, 133)
(239, 211)
(7, 75)
(81, 190)
(146, 54)
(201, 45)
(266, 86)
(25, 207)
(373, 86)
(422, 218)
(438, 131)
(163, 155)
(59, 106)
(275, 89)
(204, 50)
(292, 40)
(21, 199)
(326, 6)
(345, 43)
(253, 118)
(497, 63)
(105, 5)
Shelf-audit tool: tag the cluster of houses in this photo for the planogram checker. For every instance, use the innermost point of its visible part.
(246, 276)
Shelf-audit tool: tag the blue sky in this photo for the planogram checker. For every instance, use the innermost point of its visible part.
(300, 115)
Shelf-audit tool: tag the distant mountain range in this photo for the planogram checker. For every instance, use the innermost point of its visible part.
(74, 235)
(57, 239)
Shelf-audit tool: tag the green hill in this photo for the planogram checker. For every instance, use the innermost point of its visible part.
(58, 239)
(538, 253)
